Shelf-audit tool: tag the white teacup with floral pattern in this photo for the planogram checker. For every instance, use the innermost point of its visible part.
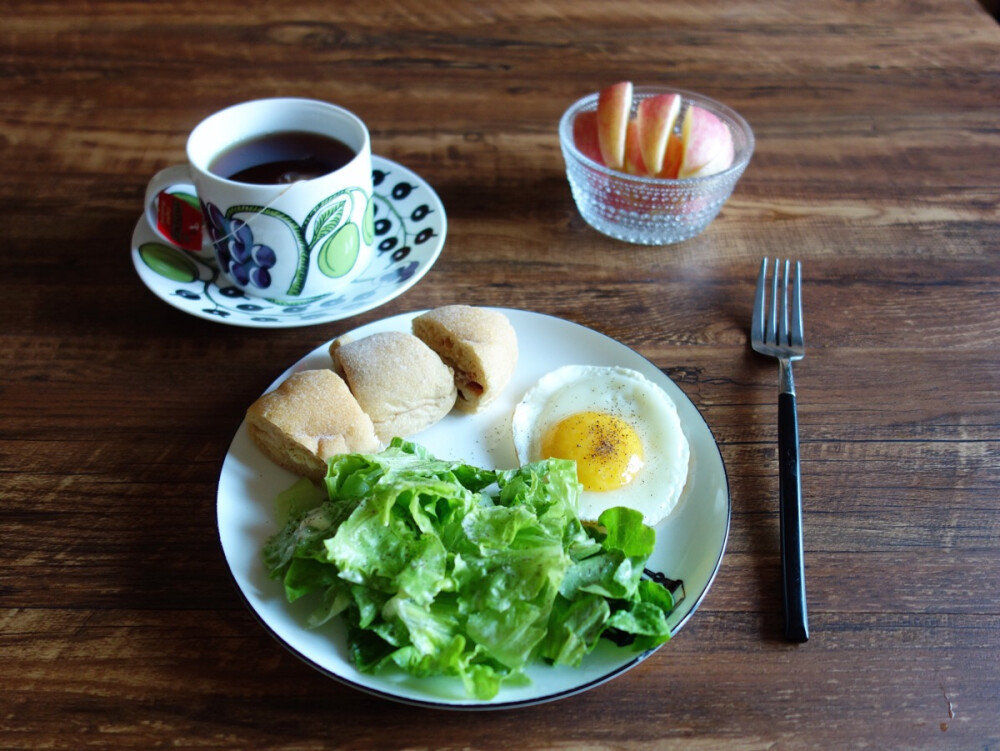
(289, 242)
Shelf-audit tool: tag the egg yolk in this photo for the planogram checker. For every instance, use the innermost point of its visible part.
(607, 450)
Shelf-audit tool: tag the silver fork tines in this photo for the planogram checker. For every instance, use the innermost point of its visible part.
(776, 330)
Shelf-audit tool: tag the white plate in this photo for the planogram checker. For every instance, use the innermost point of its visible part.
(689, 543)
(410, 228)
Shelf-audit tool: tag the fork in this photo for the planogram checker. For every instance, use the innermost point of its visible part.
(776, 330)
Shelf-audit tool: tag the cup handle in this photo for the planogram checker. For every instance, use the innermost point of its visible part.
(173, 212)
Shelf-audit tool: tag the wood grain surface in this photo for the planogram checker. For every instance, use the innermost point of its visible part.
(876, 165)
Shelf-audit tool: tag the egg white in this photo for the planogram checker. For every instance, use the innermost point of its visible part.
(656, 489)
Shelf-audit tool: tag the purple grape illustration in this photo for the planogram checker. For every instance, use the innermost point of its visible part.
(248, 263)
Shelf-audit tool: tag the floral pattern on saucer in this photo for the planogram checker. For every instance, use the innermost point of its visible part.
(410, 227)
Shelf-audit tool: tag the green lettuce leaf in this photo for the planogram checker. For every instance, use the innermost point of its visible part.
(443, 568)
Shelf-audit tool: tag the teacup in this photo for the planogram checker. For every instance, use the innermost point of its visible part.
(277, 193)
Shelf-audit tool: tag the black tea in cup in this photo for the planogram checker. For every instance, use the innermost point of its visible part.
(278, 158)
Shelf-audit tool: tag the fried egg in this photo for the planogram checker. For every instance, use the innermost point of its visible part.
(622, 430)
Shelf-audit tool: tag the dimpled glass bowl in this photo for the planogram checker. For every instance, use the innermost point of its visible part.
(652, 210)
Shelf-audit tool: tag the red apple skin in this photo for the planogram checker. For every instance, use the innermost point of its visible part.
(614, 107)
(655, 117)
(585, 136)
(708, 144)
(634, 164)
(720, 162)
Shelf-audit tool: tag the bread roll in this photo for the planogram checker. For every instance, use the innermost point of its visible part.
(478, 344)
(398, 381)
(307, 419)
(336, 344)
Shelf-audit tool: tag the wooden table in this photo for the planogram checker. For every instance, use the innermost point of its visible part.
(876, 165)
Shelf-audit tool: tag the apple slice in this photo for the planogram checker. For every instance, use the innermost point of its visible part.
(708, 144)
(634, 163)
(719, 163)
(672, 159)
(614, 107)
(585, 136)
(655, 117)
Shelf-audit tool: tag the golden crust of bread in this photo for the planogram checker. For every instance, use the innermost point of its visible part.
(308, 418)
(479, 344)
(398, 381)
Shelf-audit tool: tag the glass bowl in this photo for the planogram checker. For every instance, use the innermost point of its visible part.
(652, 210)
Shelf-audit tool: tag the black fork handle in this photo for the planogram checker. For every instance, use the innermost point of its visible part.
(790, 492)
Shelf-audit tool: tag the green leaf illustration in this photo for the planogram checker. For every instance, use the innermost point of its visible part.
(168, 262)
(328, 221)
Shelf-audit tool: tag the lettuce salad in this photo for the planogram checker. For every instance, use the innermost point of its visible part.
(442, 568)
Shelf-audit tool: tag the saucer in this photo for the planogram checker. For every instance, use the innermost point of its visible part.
(410, 229)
